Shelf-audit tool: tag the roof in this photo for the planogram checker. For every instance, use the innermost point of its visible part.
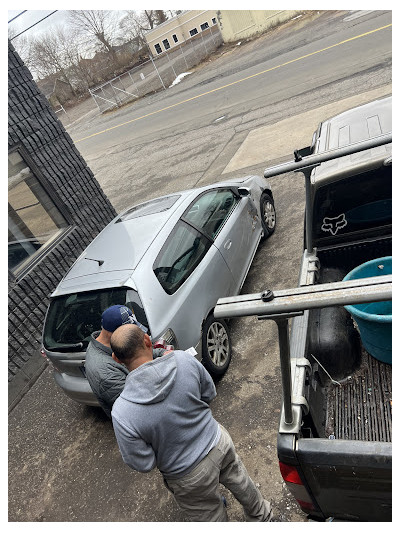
(120, 247)
(352, 126)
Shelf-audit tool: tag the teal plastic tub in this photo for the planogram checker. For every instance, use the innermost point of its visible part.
(374, 320)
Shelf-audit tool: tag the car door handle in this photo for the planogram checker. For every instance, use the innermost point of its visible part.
(228, 244)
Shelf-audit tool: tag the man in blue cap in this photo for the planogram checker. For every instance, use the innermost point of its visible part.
(107, 377)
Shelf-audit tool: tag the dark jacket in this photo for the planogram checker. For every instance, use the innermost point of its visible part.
(106, 377)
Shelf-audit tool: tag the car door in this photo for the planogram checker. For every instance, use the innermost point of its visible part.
(190, 275)
(232, 222)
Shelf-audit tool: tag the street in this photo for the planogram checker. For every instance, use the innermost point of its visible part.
(245, 110)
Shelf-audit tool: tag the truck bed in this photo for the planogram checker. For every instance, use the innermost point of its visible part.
(350, 392)
(360, 408)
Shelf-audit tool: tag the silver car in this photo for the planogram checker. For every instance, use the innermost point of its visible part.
(169, 260)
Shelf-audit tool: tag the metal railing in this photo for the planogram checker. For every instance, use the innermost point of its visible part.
(283, 305)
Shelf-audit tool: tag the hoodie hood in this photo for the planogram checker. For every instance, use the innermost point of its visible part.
(151, 382)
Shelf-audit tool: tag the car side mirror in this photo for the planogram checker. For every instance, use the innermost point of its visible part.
(243, 191)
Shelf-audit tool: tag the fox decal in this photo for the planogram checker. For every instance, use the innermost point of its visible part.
(333, 225)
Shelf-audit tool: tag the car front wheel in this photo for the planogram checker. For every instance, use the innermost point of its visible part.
(268, 214)
(216, 346)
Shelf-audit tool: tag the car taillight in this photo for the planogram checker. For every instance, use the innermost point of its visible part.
(170, 339)
(296, 486)
(162, 343)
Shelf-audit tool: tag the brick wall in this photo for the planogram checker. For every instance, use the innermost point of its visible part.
(33, 125)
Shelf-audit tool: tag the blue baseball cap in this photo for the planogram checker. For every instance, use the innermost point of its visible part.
(117, 315)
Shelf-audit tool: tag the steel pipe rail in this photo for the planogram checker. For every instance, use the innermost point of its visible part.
(284, 302)
(316, 159)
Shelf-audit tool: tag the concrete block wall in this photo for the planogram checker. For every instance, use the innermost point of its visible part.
(33, 125)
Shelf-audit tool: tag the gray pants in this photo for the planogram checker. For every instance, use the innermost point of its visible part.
(198, 495)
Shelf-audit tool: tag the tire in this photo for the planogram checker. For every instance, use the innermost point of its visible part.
(216, 346)
(268, 215)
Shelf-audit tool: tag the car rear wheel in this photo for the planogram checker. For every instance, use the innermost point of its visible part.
(268, 214)
(216, 346)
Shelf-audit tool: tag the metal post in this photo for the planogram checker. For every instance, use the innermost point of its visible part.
(156, 69)
(283, 332)
(173, 70)
(133, 83)
(102, 92)
(115, 94)
(307, 176)
(184, 57)
(94, 98)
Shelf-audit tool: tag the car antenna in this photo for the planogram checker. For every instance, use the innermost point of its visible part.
(100, 261)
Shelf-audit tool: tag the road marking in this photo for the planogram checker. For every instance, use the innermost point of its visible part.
(356, 15)
(234, 82)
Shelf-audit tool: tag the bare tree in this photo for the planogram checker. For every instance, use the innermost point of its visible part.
(150, 18)
(48, 57)
(99, 24)
(131, 26)
(160, 17)
(71, 49)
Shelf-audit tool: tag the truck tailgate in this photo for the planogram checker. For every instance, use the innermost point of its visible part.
(350, 480)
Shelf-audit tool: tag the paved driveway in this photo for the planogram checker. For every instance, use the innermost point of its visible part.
(64, 463)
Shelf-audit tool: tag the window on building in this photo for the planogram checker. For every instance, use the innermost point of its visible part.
(34, 220)
(175, 38)
(158, 48)
(166, 44)
(214, 20)
(193, 32)
(204, 26)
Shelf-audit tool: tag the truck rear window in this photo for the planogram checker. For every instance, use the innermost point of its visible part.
(353, 205)
(72, 318)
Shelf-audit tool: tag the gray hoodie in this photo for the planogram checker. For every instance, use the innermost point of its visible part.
(162, 417)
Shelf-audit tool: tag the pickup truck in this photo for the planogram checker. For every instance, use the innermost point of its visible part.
(335, 434)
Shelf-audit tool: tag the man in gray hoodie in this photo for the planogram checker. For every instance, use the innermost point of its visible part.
(162, 418)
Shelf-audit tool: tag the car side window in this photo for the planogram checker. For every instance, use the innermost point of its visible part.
(209, 211)
(180, 255)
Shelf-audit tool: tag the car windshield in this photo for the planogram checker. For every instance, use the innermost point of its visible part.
(72, 318)
(149, 208)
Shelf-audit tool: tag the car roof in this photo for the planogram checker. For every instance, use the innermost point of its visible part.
(352, 126)
(122, 244)
(109, 259)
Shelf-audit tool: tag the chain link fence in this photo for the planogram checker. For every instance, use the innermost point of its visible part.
(156, 73)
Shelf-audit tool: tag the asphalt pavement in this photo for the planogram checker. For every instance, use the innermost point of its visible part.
(64, 464)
